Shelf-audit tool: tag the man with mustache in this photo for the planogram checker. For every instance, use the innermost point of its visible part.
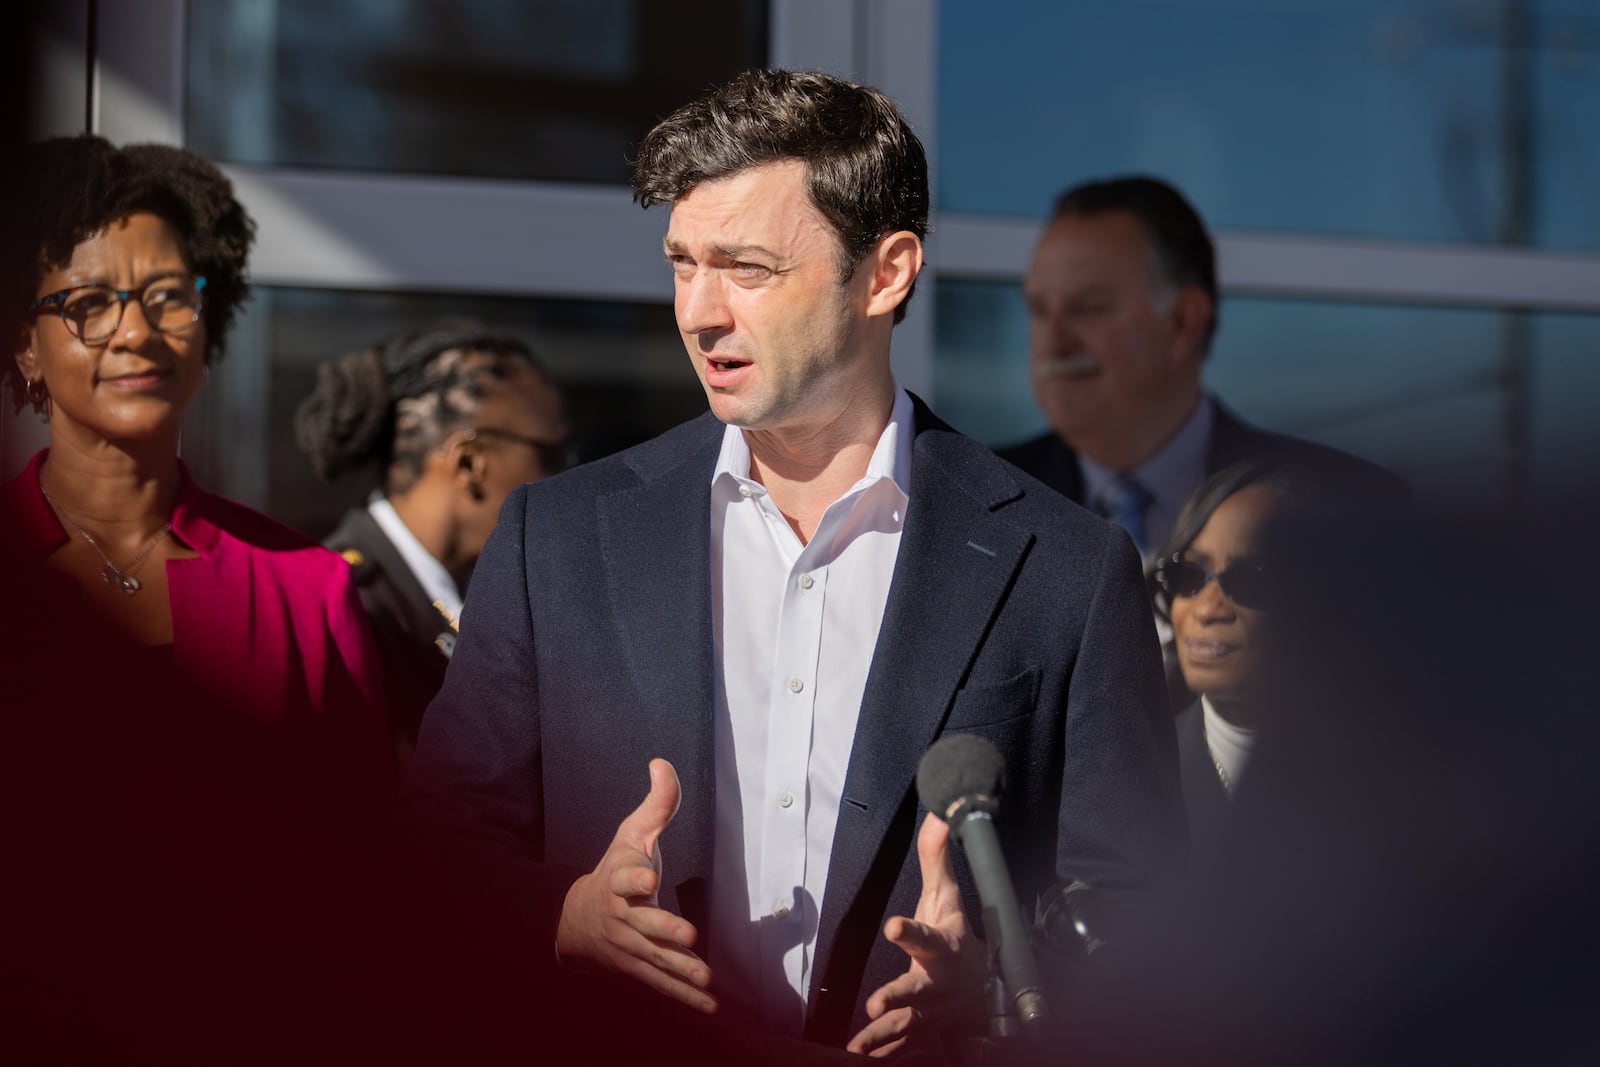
(1122, 305)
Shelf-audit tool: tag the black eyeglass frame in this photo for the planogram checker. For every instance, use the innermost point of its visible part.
(1168, 576)
(554, 456)
(60, 297)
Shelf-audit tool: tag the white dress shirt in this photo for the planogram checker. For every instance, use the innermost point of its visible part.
(429, 572)
(794, 628)
(1169, 476)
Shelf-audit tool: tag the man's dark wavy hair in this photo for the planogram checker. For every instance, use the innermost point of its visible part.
(71, 188)
(866, 171)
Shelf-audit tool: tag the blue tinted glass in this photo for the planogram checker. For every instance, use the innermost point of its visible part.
(1409, 119)
(560, 90)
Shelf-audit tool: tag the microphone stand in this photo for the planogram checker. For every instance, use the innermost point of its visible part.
(1005, 1045)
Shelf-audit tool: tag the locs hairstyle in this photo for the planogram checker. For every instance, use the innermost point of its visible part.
(390, 404)
(1172, 226)
(866, 172)
(71, 188)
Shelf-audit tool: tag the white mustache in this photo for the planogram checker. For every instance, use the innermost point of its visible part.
(1069, 367)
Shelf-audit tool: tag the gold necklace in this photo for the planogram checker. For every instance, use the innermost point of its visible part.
(118, 578)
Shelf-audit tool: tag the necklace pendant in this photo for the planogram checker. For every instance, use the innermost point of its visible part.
(126, 584)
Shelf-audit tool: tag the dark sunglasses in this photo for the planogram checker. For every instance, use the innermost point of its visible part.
(1247, 583)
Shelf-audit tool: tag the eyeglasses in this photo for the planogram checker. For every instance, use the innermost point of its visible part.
(1247, 582)
(92, 313)
(554, 456)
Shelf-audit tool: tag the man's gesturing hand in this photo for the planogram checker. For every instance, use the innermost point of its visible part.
(610, 918)
(947, 962)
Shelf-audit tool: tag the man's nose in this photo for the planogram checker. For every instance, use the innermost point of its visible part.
(1063, 329)
(701, 303)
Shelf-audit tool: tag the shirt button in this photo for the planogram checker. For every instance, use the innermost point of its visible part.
(745, 490)
(785, 799)
(806, 581)
(795, 685)
(780, 910)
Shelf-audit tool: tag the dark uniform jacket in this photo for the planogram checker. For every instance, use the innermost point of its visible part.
(414, 637)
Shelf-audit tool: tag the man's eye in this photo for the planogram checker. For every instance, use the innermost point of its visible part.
(681, 264)
(163, 294)
(751, 270)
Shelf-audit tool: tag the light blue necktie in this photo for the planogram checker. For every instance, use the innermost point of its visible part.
(1123, 502)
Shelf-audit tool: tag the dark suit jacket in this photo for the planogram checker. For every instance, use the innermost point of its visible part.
(1011, 613)
(1049, 459)
(1204, 799)
(411, 634)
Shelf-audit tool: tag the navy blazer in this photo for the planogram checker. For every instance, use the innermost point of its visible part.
(1051, 460)
(587, 650)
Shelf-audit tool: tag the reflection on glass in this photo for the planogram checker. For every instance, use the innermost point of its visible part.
(560, 90)
(621, 367)
(1438, 120)
(1456, 400)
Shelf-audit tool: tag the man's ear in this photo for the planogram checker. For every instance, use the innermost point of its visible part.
(895, 262)
(1190, 317)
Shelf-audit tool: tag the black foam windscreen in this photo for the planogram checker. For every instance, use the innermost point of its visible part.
(957, 766)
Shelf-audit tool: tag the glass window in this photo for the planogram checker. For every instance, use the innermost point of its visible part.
(1435, 120)
(561, 90)
(621, 367)
(1455, 400)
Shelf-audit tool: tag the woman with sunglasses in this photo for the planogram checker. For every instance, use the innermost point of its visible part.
(1214, 583)
(451, 416)
(145, 593)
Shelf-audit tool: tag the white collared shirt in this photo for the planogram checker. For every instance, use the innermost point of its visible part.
(430, 573)
(794, 629)
(1169, 476)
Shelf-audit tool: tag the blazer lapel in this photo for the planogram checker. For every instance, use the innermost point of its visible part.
(655, 541)
(956, 561)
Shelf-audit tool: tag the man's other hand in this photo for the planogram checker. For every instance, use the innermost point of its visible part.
(947, 963)
(610, 918)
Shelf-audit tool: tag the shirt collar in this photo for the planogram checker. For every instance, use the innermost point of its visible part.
(430, 573)
(1173, 472)
(891, 457)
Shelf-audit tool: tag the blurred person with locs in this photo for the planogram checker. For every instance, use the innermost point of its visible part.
(453, 415)
(144, 589)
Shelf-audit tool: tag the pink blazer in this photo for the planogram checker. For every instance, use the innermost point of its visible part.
(266, 623)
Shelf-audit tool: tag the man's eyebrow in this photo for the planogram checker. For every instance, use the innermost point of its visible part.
(672, 246)
(737, 251)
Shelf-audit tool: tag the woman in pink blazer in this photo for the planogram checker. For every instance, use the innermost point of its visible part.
(143, 590)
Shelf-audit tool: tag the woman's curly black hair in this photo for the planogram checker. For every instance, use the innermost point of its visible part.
(71, 188)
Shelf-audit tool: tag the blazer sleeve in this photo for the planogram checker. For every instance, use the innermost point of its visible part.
(477, 765)
(476, 784)
(1120, 827)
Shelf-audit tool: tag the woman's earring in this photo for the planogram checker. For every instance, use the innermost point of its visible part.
(38, 396)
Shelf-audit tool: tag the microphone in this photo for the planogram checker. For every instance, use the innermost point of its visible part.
(960, 779)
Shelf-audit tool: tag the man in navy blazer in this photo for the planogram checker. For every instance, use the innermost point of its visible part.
(774, 609)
